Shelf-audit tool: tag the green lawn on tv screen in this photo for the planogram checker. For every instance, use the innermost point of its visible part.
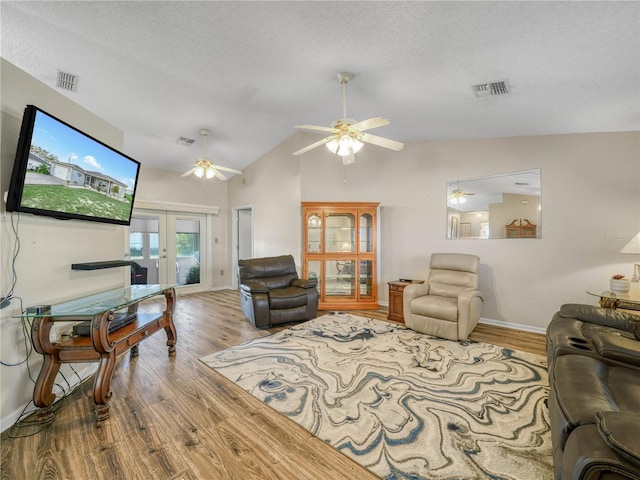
(77, 201)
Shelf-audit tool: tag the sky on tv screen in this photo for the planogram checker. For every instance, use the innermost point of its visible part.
(71, 146)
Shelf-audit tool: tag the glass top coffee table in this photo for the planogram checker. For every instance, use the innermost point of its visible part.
(626, 301)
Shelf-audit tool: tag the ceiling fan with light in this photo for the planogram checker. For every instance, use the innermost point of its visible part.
(457, 196)
(348, 136)
(205, 168)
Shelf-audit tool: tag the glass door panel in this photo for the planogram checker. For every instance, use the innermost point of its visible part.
(366, 233)
(340, 233)
(147, 249)
(314, 233)
(187, 251)
(313, 271)
(340, 278)
(366, 279)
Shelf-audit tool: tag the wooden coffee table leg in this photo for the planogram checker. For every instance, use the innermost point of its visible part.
(102, 385)
(43, 396)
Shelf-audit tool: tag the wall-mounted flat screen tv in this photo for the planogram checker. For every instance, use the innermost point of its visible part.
(62, 172)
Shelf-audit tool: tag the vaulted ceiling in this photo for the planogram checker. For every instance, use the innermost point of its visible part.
(250, 71)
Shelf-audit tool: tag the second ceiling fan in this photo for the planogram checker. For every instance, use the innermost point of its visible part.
(205, 168)
(347, 136)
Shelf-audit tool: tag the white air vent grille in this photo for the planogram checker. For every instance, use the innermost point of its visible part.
(67, 81)
(500, 87)
(185, 140)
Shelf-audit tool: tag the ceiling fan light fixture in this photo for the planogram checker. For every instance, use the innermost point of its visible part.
(347, 135)
(344, 145)
(333, 145)
(199, 171)
(210, 172)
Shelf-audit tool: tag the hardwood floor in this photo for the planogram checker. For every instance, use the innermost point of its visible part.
(175, 418)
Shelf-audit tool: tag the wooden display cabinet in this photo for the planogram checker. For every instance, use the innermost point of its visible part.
(521, 228)
(340, 250)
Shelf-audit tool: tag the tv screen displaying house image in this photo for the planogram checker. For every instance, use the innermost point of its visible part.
(65, 173)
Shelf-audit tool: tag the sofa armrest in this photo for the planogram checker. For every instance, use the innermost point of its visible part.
(254, 286)
(620, 431)
(304, 283)
(602, 316)
(618, 348)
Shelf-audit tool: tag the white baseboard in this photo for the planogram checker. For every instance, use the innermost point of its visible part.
(84, 373)
(514, 326)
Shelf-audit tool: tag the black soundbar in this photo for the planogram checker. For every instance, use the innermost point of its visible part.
(119, 320)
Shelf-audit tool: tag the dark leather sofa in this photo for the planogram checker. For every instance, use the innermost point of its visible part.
(594, 403)
(272, 294)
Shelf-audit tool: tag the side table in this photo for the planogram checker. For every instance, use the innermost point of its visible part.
(625, 301)
(396, 288)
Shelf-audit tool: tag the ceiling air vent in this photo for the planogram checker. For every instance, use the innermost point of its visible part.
(500, 87)
(67, 81)
(185, 140)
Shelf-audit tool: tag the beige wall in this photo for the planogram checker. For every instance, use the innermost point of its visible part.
(590, 208)
(48, 246)
(271, 187)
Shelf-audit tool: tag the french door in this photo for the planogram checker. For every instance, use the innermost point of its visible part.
(170, 248)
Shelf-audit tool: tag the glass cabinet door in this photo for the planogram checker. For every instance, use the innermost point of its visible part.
(314, 272)
(314, 233)
(340, 232)
(340, 278)
(366, 232)
(365, 276)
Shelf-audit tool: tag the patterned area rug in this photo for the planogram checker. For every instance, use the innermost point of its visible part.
(403, 404)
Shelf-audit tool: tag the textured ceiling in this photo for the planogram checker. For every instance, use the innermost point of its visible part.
(250, 71)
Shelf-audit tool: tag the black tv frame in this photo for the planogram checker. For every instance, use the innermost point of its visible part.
(18, 175)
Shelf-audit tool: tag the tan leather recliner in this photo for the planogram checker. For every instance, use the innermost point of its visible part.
(448, 304)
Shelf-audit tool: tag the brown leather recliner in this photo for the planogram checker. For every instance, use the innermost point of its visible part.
(272, 294)
(594, 403)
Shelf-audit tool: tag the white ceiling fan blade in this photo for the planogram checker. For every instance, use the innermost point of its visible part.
(382, 142)
(219, 174)
(369, 123)
(313, 145)
(186, 174)
(315, 127)
(227, 169)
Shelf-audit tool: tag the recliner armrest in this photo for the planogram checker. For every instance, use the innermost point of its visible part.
(304, 283)
(254, 286)
(618, 348)
(415, 290)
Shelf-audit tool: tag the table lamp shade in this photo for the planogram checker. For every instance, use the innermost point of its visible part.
(633, 246)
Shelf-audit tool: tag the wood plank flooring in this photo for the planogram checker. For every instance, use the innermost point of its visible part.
(176, 419)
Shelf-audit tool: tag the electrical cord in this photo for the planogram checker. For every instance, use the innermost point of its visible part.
(64, 389)
(15, 226)
(26, 332)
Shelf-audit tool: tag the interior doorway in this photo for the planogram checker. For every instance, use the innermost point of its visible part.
(242, 237)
